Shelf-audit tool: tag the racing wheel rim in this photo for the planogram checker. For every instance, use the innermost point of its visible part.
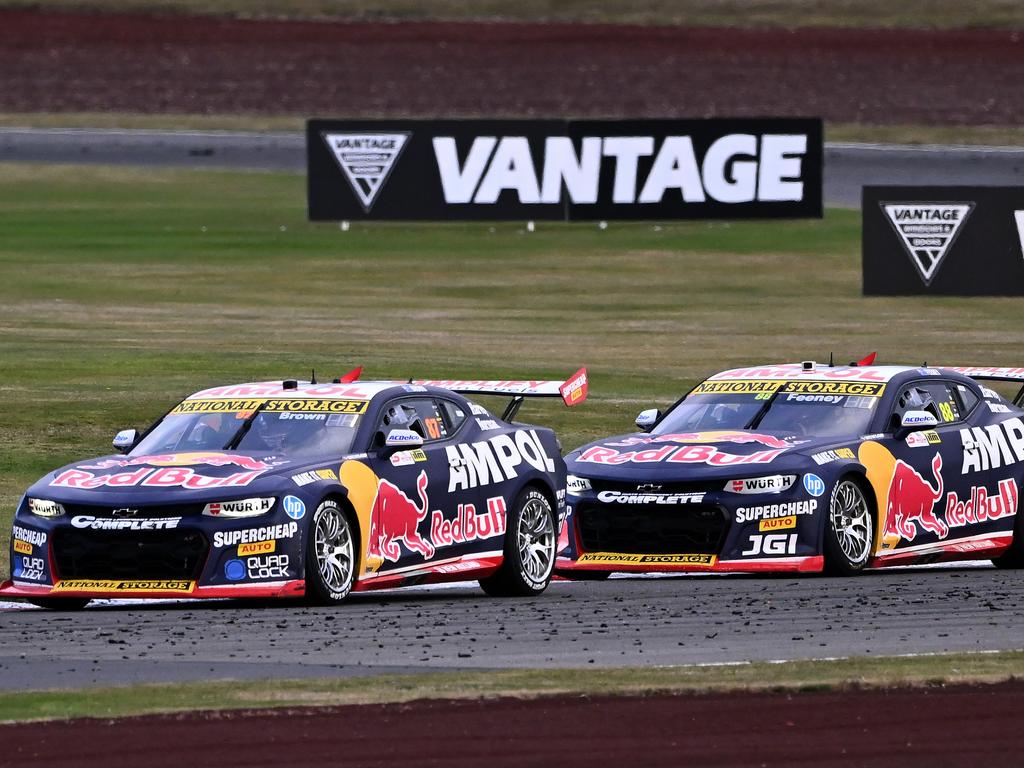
(537, 540)
(851, 521)
(332, 539)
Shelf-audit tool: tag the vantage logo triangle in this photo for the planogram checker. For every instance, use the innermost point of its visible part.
(366, 159)
(927, 231)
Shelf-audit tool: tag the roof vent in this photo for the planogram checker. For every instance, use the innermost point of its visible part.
(808, 365)
(290, 384)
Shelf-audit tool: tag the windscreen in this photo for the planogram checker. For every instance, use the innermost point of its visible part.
(806, 408)
(292, 427)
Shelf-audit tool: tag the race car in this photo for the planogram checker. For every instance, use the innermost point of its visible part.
(805, 467)
(292, 489)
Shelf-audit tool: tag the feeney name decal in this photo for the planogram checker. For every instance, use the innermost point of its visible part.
(992, 447)
(495, 460)
(168, 477)
(689, 454)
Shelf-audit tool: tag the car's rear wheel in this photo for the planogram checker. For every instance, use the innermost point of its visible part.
(529, 555)
(849, 529)
(330, 555)
(60, 603)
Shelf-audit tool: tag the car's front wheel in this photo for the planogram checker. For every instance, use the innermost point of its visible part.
(849, 529)
(330, 555)
(529, 555)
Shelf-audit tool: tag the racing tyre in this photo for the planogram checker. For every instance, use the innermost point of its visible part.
(330, 555)
(529, 556)
(849, 529)
(60, 603)
(1013, 557)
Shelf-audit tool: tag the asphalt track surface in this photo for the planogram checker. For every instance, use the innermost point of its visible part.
(621, 622)
(848, 167)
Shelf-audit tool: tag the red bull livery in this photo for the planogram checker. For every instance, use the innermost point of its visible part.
(291, 489)
(805, 467)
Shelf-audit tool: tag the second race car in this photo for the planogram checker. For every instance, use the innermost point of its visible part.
(805, 467)
(289, 489)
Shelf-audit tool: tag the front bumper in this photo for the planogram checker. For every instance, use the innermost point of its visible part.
(120, 589)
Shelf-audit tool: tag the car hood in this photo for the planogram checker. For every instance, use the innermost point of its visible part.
(198, 476)
(692, 456)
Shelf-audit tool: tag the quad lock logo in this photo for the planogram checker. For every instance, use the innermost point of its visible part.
(927, 231)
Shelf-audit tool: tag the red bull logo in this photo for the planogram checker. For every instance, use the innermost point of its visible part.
(395, 517)
(211, 459)
(912, 501)
(721, 436)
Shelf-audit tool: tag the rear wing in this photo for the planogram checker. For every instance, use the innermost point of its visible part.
(980, 373)
(573, 390)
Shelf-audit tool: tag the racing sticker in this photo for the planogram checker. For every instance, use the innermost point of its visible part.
(267, 405)
(223, 539)
(495, 460)
(689, 454)
(620, 558)
(768, 387)
(992, 446)
(165, 477)
(771, 544)
(116, 585)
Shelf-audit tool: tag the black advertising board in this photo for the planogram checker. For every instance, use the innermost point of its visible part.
(565, 170)
(952, 241)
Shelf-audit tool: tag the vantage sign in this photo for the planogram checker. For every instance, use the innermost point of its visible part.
(564, 170)
(955, 241)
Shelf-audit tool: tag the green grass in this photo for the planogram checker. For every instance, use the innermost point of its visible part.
(125, 289)
(978, 135)
(771, 13)
(760, 676)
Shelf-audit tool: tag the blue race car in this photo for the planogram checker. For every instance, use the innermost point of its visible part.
(805, 467)
(291, 489)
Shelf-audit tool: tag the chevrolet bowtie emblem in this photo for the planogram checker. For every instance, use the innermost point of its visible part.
(648, 487)
(125, 512)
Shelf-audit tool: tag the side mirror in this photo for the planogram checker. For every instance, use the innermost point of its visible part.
(125, 440)
(403, 439)
(918, 420)
(647, 419)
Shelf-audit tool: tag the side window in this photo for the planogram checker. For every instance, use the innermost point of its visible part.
(454, 414)
(422, 415)
(967, 398)
(946, 403)
(934, 397)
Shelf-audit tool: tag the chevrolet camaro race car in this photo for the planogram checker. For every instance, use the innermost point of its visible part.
(805, 467)
(289, 489)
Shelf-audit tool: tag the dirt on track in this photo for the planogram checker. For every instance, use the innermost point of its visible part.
(933, 727)
(60, 62)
